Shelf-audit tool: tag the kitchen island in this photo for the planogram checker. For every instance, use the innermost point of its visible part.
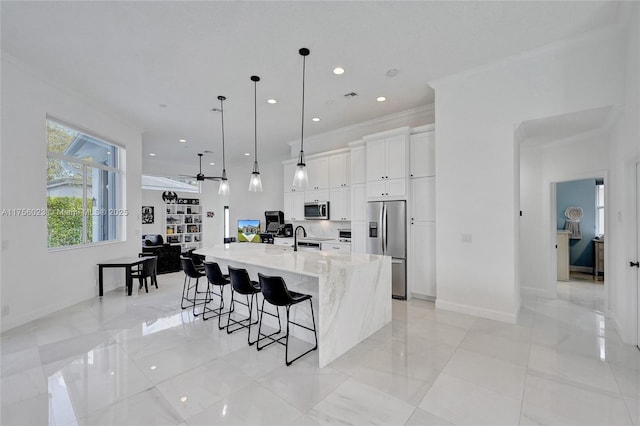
(351, 291)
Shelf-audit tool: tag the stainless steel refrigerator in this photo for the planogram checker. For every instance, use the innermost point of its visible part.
(387, 235)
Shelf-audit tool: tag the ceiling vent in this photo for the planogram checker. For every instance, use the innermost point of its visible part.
(350, 95)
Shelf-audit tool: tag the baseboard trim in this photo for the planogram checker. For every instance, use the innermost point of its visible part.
(478, 312)
(423, 297)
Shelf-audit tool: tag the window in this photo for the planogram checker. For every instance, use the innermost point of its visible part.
(83, 186)
(599, 207)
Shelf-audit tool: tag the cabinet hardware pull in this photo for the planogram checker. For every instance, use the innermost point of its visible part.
(636, 264)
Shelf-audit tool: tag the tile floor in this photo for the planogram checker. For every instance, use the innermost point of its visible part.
(141, 360)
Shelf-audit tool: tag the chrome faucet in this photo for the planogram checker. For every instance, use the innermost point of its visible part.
(295, 236)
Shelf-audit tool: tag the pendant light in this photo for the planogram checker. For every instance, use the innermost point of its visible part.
(255, 182)
(224, 183)
(300, 178)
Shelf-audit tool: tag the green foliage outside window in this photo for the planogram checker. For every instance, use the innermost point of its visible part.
(64, 221)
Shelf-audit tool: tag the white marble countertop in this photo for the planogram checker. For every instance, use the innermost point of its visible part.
(313, 263)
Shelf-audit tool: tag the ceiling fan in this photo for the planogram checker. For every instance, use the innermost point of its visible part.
(200, 176)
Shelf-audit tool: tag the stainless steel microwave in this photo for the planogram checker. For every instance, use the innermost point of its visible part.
(317, 210)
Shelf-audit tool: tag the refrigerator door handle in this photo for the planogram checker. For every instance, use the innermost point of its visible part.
(384, 229)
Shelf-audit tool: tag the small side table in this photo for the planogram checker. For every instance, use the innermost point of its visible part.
(598, 267)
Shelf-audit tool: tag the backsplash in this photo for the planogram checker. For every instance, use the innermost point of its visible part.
(322, 228)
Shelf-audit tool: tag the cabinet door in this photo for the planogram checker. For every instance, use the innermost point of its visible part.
(358, 236)
(289, 170)
(336, 247)
(422, 259)
(423, 199)
(294, 205)
(376, 160)
(396, 157)
(339, 170)
(318, 171)
(358, 165)
(396, 188)
(316, 195)
(358, 202)
(377, 188)
(422, 157)
(339, 204)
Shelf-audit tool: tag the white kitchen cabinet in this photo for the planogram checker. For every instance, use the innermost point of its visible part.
(387, 167)
(422, 261)
(316, 195)
(358, 236)
(422, 158)
(358, 162)
(423, 199)
(294, 205)
(283, 242)
(336, 247)
(340, 203)
(289, 170)
(340, 170)
(318, 172)
(387, 188)
(358, 202)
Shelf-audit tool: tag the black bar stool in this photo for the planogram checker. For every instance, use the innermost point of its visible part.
(190, 274)
(274, 290)
(242, 284)
(216, 278)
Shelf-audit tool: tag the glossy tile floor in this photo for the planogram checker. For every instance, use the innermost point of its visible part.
(141, 360)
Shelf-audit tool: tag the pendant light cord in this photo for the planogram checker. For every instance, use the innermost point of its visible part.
(255, 120)
(304, 62)
(224, 167)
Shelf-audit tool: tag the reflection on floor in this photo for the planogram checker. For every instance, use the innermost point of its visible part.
(141, 360)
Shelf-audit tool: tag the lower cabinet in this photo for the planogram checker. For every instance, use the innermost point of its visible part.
(294, 205)
(422, 261)
(337, 247)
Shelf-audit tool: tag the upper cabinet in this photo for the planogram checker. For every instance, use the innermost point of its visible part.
(289, 170)
(318, 172)
(386, 166)
(358, 165)
(339, 170)
(423, 155)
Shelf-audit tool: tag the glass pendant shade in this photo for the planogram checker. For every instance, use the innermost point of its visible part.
(223, 189)
(255, 182)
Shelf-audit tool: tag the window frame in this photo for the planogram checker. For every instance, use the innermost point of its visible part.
(119, 172)
(600, 209)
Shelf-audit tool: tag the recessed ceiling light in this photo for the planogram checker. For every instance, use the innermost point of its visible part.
(183, 399)
(152, 154)
(182, 140)
(153, 367)
(247, 154)
(392, 72)
(315, 119)
(212, 164)
(381, 99)
(271, 101)
(338, 70)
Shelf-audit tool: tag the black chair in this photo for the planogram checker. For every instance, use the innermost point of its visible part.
(242, 284)
(191, 274)
(216, 278)
(274, 290)
(147, 270)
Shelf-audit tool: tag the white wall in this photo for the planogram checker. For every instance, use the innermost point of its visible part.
(35, 281)
(579, 157)
(477, 164)
(625, 153)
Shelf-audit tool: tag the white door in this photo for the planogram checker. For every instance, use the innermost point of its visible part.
(423, 199)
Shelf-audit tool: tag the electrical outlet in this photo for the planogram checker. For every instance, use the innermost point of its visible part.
(466, 238)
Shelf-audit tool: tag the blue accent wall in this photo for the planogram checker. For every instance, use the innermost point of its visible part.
(579, 193)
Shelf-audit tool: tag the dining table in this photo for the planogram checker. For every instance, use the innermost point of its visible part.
(128, 263)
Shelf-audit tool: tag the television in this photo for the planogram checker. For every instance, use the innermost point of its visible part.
(249, 231)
